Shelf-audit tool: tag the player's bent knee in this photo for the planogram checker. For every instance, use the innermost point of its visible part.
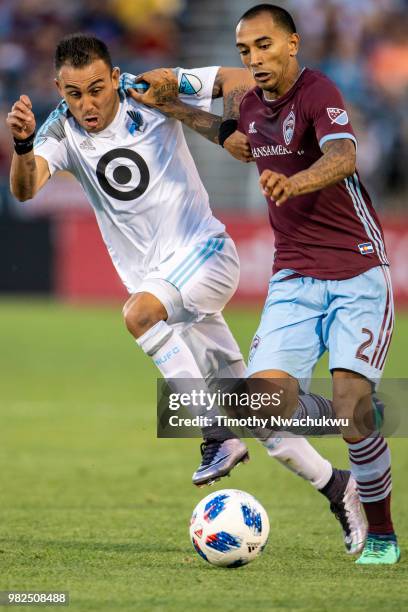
(141, 312)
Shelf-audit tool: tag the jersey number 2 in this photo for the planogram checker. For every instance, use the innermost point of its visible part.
(364, 345)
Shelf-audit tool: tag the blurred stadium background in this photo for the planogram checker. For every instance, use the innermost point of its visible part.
(51, 245)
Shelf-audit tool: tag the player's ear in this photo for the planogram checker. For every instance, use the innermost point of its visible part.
(293, 43)
(115, 77)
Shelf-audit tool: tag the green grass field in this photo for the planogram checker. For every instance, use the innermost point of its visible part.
(92, 503)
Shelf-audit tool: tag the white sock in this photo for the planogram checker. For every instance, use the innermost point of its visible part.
(169, 352)
(299, 456)
(177, 364)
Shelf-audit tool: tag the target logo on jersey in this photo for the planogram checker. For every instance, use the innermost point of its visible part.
(123, 174)
(338, 115)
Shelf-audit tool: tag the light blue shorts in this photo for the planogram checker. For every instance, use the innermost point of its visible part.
(304, 317)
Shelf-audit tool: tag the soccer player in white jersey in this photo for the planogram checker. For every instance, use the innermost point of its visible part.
(172, 254)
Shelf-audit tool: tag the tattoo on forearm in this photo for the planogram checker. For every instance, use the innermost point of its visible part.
(165, 93)
(198, 120)
(232, 100)
(337, 163)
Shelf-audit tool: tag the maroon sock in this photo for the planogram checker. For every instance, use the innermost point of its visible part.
(379, 516)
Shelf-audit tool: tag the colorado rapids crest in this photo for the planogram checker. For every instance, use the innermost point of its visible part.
(289, 127)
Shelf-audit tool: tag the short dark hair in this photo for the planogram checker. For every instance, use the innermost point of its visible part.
(80, 50)
(280, 16)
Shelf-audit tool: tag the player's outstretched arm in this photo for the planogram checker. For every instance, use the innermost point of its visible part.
(230, 83)
(163, 95)
(337, 162)
(28, 172)
(203, 122)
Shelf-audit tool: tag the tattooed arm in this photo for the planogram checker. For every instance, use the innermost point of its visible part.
(337, 162)
(230, 83)
(235, 82)
(200, 121)
(163, 95)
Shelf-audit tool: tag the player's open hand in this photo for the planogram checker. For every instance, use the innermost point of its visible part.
(276, 186)
(163, 88)
(238, 146)
(21, 120)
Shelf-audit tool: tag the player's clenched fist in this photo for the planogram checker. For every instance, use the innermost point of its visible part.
(238, 146)
(20, 119)
(163, 88)
(276, 186)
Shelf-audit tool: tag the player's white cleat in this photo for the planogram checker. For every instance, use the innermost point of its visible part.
(218, 459)
(351, 516)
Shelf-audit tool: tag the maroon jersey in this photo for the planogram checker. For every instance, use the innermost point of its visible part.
(333, 233)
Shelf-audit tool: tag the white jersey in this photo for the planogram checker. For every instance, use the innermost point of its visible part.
(138, 175)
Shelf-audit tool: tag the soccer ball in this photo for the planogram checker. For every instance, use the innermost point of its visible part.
(229, 528)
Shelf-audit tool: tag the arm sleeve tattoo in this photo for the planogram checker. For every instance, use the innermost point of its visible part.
(232, 100)
(337, 162)
(198, 120)
(207, 124)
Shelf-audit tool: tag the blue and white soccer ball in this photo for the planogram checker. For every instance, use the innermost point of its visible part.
(229, 528)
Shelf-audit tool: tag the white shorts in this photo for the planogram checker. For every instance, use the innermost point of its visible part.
(194, 285)
(205, 276)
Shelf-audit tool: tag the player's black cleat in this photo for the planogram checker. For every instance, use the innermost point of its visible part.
(219, 457)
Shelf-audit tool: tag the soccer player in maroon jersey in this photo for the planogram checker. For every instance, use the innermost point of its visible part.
(296, 453)
(330, 288)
